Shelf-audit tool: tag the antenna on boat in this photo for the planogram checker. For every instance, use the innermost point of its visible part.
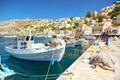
(0, 60)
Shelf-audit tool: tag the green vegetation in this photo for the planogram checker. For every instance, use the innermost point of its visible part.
(41, 29)
(94, 18)
(71, 18)
(74, 27)
(114, 12)
(54, 28)
(69, 22)
(89, 14)
(87, 23)
(76, 24)
(63, 28)
(100, 18)
(28, 26)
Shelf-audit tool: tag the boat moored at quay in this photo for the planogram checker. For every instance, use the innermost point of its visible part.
(27, 49)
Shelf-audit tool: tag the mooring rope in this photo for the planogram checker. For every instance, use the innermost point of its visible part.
(48, 71)
(49, 66)
(49, 75)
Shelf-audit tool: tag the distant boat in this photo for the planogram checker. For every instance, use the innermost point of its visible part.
(70, 44)
(79, 42)
(84, 41)
(27, 49)
(70, 41)
(90, 37)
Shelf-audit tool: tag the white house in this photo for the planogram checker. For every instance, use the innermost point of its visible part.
(86, 30)
(118, 18)
(107, 23)
(97, 29)
(76, 18)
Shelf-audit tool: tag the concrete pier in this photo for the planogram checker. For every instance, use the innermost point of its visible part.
(80, 70)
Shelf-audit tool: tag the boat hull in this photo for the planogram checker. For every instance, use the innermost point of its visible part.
(70, 45)
(37, 55)
(78, 43)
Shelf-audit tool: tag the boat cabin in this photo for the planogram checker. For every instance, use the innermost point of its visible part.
(24, 42)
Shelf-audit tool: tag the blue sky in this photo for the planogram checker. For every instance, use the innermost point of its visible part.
(48, 9)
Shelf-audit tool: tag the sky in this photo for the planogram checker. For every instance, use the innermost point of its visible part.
(49, 9)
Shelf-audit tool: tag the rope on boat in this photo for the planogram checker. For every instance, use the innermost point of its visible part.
(48, 70)
(49, 66)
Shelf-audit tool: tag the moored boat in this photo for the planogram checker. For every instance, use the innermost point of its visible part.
(79, 42)
(5, 72)
(90, 37)
(70, 41)
(27, 49)
(70, 44)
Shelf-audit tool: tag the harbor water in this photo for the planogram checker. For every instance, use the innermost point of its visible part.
(37, 70)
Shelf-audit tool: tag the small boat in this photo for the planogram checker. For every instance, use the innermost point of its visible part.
(84, 41)
(90, 37)
(79, 42)
(6, 73)
(27, 49)
(70, 42)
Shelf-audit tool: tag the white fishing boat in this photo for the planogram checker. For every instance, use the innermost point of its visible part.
(27, 49)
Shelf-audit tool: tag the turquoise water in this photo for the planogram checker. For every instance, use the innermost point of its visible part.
(36, 70)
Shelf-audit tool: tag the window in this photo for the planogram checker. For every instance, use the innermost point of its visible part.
(27, 38)
(92, 30)
(32, 38)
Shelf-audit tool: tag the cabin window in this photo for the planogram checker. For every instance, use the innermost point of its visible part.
(27, 38)
(32, 38)
(54, 36)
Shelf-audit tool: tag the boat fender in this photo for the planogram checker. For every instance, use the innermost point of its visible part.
(53, 62)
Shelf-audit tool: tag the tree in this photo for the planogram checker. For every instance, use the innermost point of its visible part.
(54, 28)
(69, 22)
(89, 14)
(76, 24)
(71, 18)
(87, 23)
(94, 18)
(100, 18)
(74, 27)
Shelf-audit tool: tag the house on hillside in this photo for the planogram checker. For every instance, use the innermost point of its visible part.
(118, 18)
(107, 23)
(87, 30)
(97, 29)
